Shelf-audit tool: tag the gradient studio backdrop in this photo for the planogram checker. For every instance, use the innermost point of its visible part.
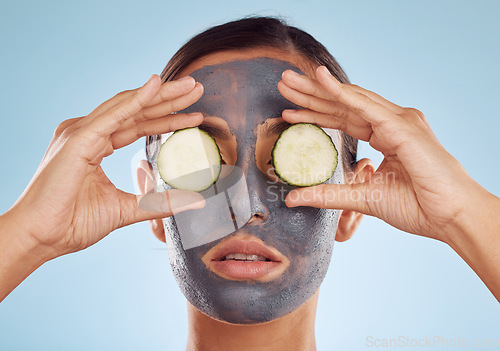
(62, 59)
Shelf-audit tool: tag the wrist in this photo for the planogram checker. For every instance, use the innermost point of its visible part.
(19, 243)
(475, 235)
(477, 219)
(20, 256)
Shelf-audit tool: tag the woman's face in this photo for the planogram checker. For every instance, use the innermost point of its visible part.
(276, 259)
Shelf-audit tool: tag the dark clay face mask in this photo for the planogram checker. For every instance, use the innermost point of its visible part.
(244, 95)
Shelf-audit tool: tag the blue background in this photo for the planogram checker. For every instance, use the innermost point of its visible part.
(62, 59)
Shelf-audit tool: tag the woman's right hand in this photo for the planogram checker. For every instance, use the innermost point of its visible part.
(70, 203)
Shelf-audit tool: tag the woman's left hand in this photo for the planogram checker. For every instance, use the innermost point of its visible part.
(419, 187)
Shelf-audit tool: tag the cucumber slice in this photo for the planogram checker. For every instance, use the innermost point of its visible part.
(190, 160)
(304, 155)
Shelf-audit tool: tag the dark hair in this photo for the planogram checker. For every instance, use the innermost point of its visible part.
(254, 32)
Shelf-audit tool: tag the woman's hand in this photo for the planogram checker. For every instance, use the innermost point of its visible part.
(70, 204)
(419, 187)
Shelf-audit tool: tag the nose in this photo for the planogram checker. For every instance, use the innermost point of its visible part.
(257, 185)
(259, 217)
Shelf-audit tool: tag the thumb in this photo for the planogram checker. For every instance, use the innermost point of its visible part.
(159, 205)
(332, 196)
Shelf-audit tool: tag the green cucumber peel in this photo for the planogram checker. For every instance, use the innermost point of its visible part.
(304, 155)
(190, 159)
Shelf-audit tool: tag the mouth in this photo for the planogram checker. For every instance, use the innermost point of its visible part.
(245, 257)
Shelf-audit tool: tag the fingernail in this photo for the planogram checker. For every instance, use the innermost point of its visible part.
(325, 70)
(147, 83)
(184, 78)
(291, 73)
(290, 199)
(289, 111)
(150, 79)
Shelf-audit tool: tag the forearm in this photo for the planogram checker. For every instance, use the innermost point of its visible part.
(18, 256)
(475, 236)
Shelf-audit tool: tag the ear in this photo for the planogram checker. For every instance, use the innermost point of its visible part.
(146, 185)
(350, 220)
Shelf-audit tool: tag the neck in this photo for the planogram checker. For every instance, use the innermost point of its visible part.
(296, 330)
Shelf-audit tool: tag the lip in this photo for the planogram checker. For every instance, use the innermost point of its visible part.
(245, 270)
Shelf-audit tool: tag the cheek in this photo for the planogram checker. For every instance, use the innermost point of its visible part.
(174, 246)
(310, 230)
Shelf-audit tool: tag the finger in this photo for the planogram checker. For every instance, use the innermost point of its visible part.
(329, 121)
(311, 102)
(304, 84)
(169, 90)
(331, 196)
(137, 208)
(91, 140)
(169, 106)
(311, 86)
(108, 104)
(378, 99)
(173, 89)
(322, 106)
(166, 124)
(164, 108)
(109, 121)
(361, 104)
(390, 130)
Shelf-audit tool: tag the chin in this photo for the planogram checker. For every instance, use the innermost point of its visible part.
(264, 297)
